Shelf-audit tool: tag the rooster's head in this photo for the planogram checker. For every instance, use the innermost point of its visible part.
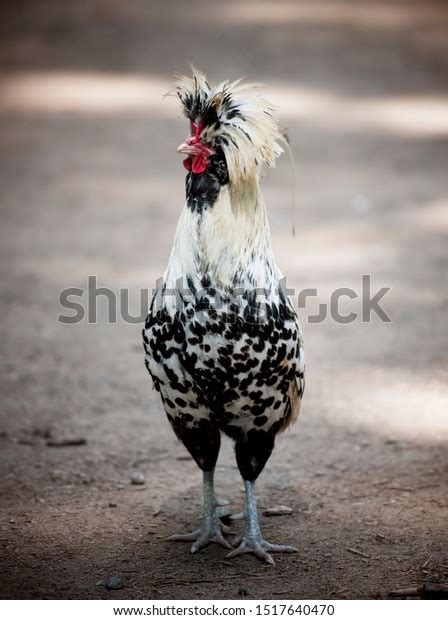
(231, 127)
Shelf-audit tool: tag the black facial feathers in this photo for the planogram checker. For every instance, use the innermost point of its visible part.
(202, 189)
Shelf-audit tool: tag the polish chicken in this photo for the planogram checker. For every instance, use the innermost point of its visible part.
(223, 344)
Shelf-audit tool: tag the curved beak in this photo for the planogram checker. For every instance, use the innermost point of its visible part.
(194, 149)
(188, 149)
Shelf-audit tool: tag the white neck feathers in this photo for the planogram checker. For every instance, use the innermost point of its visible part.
(228, 242)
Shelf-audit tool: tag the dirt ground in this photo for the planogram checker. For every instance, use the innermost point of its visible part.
(92, 185)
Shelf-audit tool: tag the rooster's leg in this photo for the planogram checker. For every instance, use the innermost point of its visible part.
(211, 530)
(252, 541)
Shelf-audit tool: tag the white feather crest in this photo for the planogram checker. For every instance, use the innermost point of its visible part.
(234, 118)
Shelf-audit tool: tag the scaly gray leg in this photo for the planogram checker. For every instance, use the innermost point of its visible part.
(211, 530)
(252, 541)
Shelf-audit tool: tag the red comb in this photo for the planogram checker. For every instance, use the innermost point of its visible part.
(198, 163)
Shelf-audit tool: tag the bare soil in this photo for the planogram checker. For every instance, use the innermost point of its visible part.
(91, 185)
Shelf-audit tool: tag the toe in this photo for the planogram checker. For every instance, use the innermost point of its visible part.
(260, 549)
(241, 548)
(197, 546)
(208, 537)
(184, 537)
(202, 540)
(252, 547)
(219, 538)
(279, 548)
(208, 533)
(263, 555)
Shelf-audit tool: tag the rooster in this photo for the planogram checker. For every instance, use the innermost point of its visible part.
(223, 344)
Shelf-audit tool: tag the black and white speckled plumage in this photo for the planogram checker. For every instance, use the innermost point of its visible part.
(226, 352)
(217, 371)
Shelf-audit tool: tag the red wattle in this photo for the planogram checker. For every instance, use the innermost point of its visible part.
(187, 163)
(199, 164)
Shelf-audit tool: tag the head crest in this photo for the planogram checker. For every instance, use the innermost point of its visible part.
(234, 118)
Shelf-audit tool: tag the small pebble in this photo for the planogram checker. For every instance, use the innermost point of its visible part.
(278, 511)
(138, 478)
(114, 583)
(112, 504)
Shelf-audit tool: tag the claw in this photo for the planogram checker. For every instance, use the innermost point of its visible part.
(185, 537)
(259, 548)
(208, 537)
(208, 533)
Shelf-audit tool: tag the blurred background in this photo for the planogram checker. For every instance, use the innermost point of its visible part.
(92, 185)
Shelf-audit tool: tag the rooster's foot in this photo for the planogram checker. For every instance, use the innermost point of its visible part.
(211, 531)
(260, 548)
(252, 541)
